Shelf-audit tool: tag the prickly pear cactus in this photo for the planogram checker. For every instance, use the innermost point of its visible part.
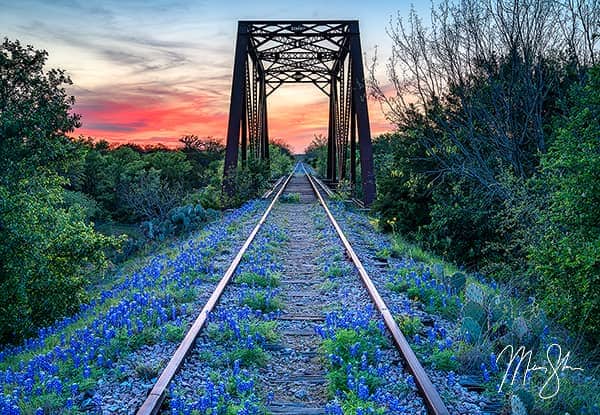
(475, 311)
(458, 281)
(438, 271)
(475, 293)
(471, 329)
(517, 407)
(520, 327)
(496, 309)
(526, 398)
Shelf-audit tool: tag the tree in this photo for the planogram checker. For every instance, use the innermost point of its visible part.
(35, 112)
(205, 154)
(568, 254)
(47, 247)
(486, 75)
(476, 92)
(316, 154)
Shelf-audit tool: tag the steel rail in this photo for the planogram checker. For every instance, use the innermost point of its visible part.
(268, 193)
(432, 399)
(152, 404)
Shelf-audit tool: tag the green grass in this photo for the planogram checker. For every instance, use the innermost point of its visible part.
(266, 329)
(253, 279)
(443, 360)
(403, 249)
(409, 325)
(173, 333)
(262, 301)
(335, 271)
(328, 285)
(147, 371)
(248, 357)
(290, 198)
(352, 404)
(384, 254)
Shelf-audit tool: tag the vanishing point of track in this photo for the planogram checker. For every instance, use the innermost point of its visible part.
(307, 187)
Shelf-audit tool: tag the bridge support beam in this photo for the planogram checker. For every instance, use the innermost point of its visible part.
(359, 100)
(236, 109)
(331, 136)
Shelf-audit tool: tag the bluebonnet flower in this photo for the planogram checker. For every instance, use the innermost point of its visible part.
(451, 378)
(485, 373)
(493, 363)
(363, 389)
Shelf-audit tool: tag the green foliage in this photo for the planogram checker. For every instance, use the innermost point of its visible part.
(290, 198)
(260, 300)
(567, 256)
(352, 404)
(462, 223)
(254, 356)
(409, 325)
(281, 160)
(178, 221)
(173, 333)
(316, 155)
(364, 341)
(147, 371)
(249, 182)
(443, 360)
(208, 197)
(253, 279)
(384, 254)
(265, 329)
(35, 113)
(498, 170)
(403, 192)
(47, 246)
(52, 187)
(334, 271)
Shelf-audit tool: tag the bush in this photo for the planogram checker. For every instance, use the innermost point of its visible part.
(179, 220)
(568, 256)
(46, 252)
(46, 245)
(248, 182)
(209, 197)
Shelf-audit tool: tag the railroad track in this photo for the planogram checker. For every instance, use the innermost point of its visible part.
(302, 287)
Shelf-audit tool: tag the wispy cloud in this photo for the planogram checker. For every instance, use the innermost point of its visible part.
(150, 71)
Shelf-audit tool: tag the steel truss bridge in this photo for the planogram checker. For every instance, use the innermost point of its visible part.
(326, 54)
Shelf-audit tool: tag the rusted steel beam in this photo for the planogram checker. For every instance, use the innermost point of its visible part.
(362, 116)
(235, 108)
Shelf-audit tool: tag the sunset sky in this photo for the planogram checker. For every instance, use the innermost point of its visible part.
(150, 71)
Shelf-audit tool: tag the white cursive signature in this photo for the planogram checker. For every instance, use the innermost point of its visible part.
(551, 387)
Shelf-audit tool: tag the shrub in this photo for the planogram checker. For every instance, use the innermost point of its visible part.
(568, 256)
(179, 220)
(46, 250)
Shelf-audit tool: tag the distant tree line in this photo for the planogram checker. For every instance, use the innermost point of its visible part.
(57, 194)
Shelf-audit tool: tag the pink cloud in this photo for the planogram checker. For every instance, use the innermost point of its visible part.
(133, 117)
